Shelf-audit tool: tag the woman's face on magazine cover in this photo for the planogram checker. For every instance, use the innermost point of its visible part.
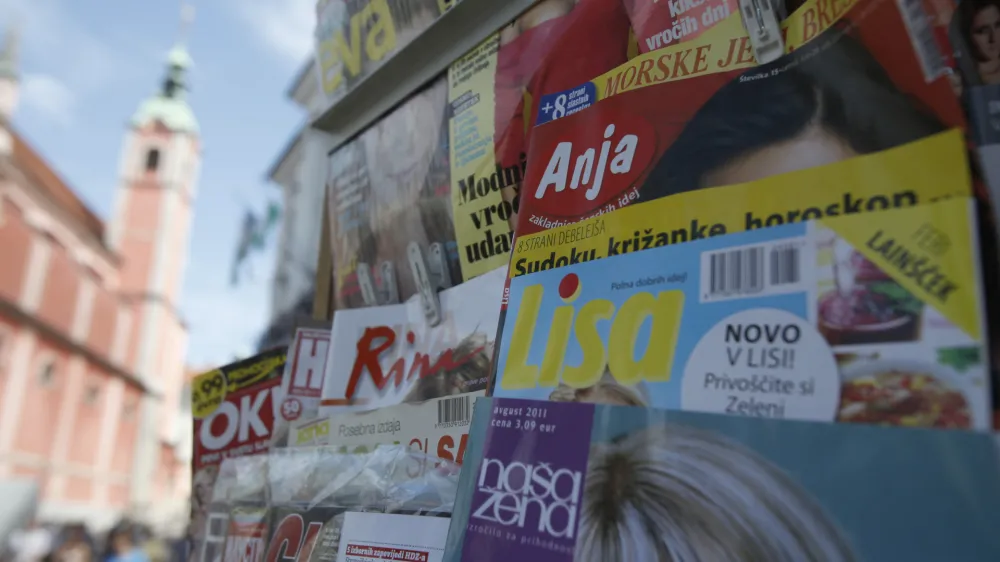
(814, 146)
(986, 33)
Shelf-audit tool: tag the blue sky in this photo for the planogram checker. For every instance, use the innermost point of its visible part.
(86, 66)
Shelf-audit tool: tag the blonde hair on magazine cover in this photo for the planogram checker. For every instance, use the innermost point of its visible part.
(468, 376)
(606, 391)
(675, 494)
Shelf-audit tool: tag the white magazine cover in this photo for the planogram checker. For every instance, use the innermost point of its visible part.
(302, 380)
(438, 427)
(387, 355)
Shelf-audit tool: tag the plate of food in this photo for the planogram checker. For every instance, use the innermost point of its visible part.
(907, 393)
(864, 316)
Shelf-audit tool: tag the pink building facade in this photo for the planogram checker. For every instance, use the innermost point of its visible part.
(92, 346)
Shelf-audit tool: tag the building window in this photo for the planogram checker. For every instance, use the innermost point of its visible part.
(128, 410)
(91, 394)
(5, 343)
(47, 372)
(152, 160)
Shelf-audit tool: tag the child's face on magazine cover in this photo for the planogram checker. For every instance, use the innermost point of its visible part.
(814, 146)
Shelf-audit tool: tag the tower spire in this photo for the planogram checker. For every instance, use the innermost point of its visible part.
(169, 104)
(187, 18)
(179, 60)
(9, 59)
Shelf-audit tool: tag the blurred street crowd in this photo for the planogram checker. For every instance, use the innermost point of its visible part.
(125, 542)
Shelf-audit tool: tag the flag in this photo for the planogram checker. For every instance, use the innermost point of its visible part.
(254, 233)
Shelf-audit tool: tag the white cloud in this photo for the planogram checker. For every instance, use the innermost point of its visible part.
(284, 26)
(49, 97)
(65, 57)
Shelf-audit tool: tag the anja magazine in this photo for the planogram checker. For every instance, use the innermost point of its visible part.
(920, 172)
(658, 24)
(844, 319)
(387, 355)
(388, 216)
(703, 113)
(862, 77)
(566, 42)
(493, 92)
(602, 483)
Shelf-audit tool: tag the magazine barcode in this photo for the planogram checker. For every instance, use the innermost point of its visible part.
(785, 265)
(921, 28)
(736, 272)
(457, 409)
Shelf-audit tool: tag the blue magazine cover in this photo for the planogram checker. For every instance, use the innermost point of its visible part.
(564, 482)
(856, 318)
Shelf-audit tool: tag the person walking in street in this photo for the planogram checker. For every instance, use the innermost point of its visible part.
(122, 545)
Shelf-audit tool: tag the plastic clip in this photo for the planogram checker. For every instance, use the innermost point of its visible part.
(437, 267)
(762, 22)
(428, 291)
(390, 289)
(367, 284)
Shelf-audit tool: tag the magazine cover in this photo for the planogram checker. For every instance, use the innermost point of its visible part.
(862, 76)
(923, 171)
(211, 526)
(671, 63)
(389, 196)
(247, 533)
(387, 537)
(302, 381)
(852, 85)
(438, 427)
(554, 44)
(644, 484)
(659, 23)
(305, 522)
(246, 539)
(354, 37)
(234, 412)
(974, 27)
(386, 355)
(844, 319)
(315, 491)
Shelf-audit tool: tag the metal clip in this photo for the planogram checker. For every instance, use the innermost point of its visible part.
(367, 284)
(428, 292)
(390, 289)
(761, 20)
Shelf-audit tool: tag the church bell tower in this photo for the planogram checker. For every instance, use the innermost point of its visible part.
(158, 173)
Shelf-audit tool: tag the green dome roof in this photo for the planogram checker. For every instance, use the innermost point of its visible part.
(179, 58)
(169, 105)
(174, 113)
